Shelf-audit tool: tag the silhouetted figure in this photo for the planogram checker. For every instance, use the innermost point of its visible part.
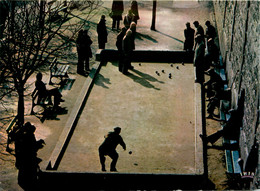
(218, 93)
(43, 92)
(214, 78)
(210, 31)
(199, 59)
(119, 44)
(128, 18)
(230, 129)
(127, 51)
(108, 147)
(102, 32)
(117, 11)
(199, 31)
(134, 9)
(189, 38)
(84, 52)
(26, 148)
(212, 55)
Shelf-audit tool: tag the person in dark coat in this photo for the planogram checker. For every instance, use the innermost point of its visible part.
(134, 9)
(127, 51)
(102, 32)
(199, 59)
(210, 31)
(27, 162)
(199, 31)
(189, 37)
(43, 92)
(119, 44)
(84, 52)
(117, 11)
(212, 54)
(108, 147)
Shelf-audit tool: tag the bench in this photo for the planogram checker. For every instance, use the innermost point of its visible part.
(58, 71)
(42, 101)
(9, 131)
(231, 152)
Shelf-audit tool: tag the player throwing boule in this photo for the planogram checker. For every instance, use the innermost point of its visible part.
(108, 147)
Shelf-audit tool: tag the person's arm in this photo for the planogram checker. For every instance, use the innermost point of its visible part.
(122, 143)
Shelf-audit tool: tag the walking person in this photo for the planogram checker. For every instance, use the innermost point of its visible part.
(84, 52)
(189, 37)
(116, 13)
(102, 32)
(108, 148)
(199, 59)
(134, 9)
(119, 44)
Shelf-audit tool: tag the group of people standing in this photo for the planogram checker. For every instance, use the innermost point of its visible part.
(125, 38)
(202, 61)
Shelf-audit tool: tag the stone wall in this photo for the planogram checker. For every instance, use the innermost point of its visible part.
(238, 29)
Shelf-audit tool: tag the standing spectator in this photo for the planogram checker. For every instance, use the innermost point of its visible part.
(108, 147)
(27, 162)
(128, 18)
(199, 31)
(199, 59)
(189, 37)
(116, 14)
(127, 51)
(210, 31)
(119, 44)
(212, 54)
(102, 32)
(134, 9)
(84, 51)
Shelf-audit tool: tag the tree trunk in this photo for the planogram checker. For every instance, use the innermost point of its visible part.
(20, 109)
(154, 15)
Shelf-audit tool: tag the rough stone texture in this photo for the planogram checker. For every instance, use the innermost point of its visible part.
(238, 29)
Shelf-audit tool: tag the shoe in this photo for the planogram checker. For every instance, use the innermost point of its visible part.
(113, 170)
(103, 169)
(131, 67)
(203, 138)
(62, 100)
(210, 116)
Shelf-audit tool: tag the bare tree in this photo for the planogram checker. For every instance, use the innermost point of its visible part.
(35, 32)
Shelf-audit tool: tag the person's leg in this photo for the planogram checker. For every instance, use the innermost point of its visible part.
(113, 23)
(114, 156)
(80, 66)
(117, 24)
(102, 159)
(87, 64)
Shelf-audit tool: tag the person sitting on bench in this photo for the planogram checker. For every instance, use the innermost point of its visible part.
(43, 92)
(230, 128)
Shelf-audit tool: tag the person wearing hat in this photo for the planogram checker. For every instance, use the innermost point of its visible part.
(189, 38)
(102, 32)
(108, 148)
(199, 59)
(116, 13)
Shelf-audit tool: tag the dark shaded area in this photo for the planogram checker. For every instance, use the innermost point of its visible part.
(169, 36)
(120, 181)
(148, 56)
(140, 36)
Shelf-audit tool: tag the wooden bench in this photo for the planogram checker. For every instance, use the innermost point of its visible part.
(10, 132)
(42, 101)
(58, 71)
(231, 154)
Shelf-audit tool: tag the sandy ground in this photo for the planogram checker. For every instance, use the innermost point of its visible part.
(157, 116)
(172, 40)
